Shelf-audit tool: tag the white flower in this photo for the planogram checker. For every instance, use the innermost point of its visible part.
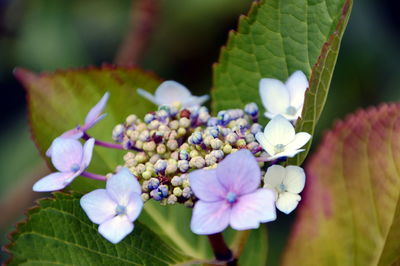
(287, 183)
(280, 140)
(171, 92)
(284, 99)
(116, 207)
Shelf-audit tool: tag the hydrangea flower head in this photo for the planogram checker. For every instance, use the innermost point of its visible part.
(92, 118)
(284, 99)
(170, 93)
(287, 183)
(116, 207)
(280, 139)
(70, 159)
(229, 195)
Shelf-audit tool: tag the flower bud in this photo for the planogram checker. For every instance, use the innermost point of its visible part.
(160, 166)
(172, 199)
(197, 162)
(216, 144)
(153, 183)
(131, 119)
(176, 181)
(183, 165)
(145, 197)
(177, 191)
(148, 118)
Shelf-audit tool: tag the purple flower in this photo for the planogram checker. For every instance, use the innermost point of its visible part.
(229, 195)
(70, 159)
(116, 207)
(92, 118)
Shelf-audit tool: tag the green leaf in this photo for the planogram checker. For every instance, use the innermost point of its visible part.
(61, 100)
(350, 214)
(277, 38)
(59, 232)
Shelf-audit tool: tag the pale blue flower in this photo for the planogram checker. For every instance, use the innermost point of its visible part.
(230, 195)
(70, 159)
(171, 92)
(92, 118)
(116, 207)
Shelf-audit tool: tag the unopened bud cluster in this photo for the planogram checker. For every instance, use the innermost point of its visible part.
(169, 143)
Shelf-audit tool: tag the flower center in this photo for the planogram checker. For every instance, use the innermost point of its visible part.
(75, 167)
(120, 210)
(281, 188)
(291, 110)
(231, 197)
(279, 148)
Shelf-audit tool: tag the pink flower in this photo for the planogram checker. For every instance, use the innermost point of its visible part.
(230, 195)
(70, 159)
(92, 118)
(116, 207)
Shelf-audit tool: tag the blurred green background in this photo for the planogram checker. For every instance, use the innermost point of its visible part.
(45, 35)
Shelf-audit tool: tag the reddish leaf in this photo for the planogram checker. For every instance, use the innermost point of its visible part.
(350, 214)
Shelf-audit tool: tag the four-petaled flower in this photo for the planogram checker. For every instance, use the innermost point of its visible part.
(284, 99)
(280, 139)
(170, 93)
(92, 118)
(229, 195)
(287, 183)
(70, 159)
(116, 207)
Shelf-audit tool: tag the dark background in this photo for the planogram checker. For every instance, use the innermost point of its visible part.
(44, 35)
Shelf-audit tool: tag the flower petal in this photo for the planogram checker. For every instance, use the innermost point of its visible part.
(275, 175)
(122, 185)
(300, 139)
(98, 205)
(295, 179)
(54, 181)
(279, 131)
(285, 115)
(134, 207)
(287, 202)
(75, 133)
(148, 96)
(268, 147)
(195, 100)
(239, 172)
(87, 153)
(66, 154)
(297, 84)
(95, 112)
(115, 229)
(206, 185)
(89, 125)
(252, 209)
(170, 92)
(274, 95)
(289, 154)
(210, 217)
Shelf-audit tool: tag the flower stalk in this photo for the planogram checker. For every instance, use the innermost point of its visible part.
(221, 250)
(93, 176)
(104, 143)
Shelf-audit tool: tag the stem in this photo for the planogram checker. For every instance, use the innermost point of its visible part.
(94, 176)
(221, 250)
(103, 143)
(143, 16)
